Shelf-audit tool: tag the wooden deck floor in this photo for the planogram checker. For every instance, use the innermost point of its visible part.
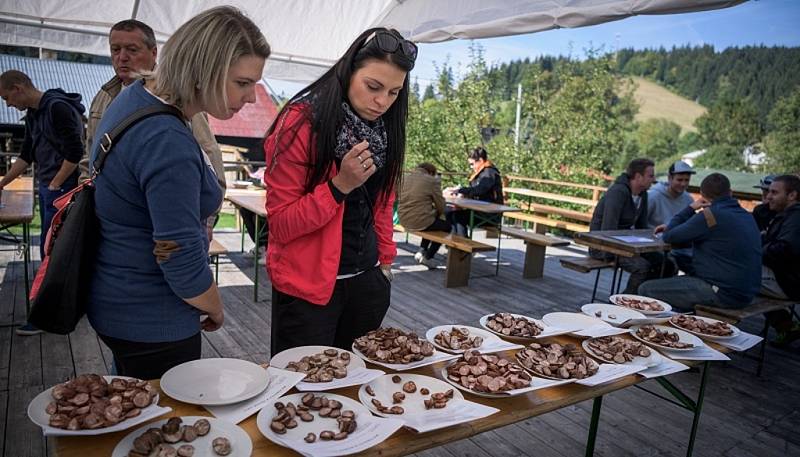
(743, 416)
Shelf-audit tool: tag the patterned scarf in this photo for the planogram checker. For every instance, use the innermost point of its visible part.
(355, 130)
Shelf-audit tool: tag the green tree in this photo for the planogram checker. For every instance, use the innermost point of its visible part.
(730, 121)
(722, 157)
(658, 138)
(783, 141)
(429, 93)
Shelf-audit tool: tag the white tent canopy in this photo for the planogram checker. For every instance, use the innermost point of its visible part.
(307, 36)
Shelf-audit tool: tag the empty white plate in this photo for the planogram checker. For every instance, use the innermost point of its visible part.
(214, 381)
(574, 322)
(613, 314)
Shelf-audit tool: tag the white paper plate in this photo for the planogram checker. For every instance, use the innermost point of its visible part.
(473, 331)
(653, 360)
(509, 393)
(736, 331)
(620, 313)
(384, 387)
(683, 337)
(242, 184)
(667, 308)
(37, 414)
(572, 322)
(319, 424)
(554, 378)
(241, 445)
(438, 356)
(546, 332)
(214, 381)
(282, 359)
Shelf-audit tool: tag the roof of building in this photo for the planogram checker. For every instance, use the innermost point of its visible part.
(83, 78)
(252, 121)
(86, 79)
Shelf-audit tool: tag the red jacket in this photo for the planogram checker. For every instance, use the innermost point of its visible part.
(305, 229)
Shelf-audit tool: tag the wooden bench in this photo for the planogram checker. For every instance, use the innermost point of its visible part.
(587, 265)
(759, 306)
(540, 222)
(535, 246)
(216, 249)
(459, 259)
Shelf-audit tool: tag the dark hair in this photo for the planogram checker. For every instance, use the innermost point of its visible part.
(479, 153)
(12, 78)
(429, 167)
(129, 25)
(325, 97)
(791, 183)
(714, 186)
(638, 166)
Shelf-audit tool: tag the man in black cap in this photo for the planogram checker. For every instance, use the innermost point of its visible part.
(762, 213)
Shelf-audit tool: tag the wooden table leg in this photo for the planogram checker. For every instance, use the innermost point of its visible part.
(534, 261)
(458, 267)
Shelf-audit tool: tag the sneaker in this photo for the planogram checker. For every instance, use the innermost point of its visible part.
(430, 263)
(28, 330)
(419, 256)
(252, 253)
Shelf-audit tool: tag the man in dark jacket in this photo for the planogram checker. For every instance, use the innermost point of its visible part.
(762, 213)
(780, 275)
(624, 207)
(727, 252)
(53, 139)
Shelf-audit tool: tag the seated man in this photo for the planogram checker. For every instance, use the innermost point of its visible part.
(762, 213)
(624, 207)
(780, 276)
(727, 252)
(665, 200)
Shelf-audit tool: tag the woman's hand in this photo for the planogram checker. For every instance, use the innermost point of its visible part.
(212, 321)
(386, 269)
(357, 166)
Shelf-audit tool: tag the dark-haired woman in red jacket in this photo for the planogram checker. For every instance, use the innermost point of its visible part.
(334, 160)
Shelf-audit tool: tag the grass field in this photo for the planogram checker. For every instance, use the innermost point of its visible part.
(656, 101)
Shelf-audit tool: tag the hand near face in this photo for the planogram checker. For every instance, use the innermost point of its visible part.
(700, 203)
(357, 166)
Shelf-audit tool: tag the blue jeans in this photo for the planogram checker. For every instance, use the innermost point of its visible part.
(682, 292)
(46, 208)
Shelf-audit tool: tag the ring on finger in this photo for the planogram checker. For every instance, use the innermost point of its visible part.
(365, 166)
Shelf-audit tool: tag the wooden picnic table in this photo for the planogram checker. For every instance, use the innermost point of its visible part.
(254, 200)
(17, 209)
(608, 241)
(476, 219)
(615, 242)
(404, 441)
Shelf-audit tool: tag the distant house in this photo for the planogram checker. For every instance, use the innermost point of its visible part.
(248, 127)
(690, 157)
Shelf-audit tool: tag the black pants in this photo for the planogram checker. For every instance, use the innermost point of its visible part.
(429, 247)
(151, 360)
(249, 220)
(358, 305)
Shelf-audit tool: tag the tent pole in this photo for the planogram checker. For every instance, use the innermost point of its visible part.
(135, 9)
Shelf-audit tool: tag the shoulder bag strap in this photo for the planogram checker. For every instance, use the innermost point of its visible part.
(110, 138)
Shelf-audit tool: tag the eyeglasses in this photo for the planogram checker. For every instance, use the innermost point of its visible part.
(389, 42)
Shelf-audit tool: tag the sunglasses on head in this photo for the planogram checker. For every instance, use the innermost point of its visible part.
(391, 43)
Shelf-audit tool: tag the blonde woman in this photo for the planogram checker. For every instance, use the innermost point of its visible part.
(152, 283)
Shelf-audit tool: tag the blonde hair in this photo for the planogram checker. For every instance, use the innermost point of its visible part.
(195, 60)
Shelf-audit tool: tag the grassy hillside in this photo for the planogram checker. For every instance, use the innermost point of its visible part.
(657, 102)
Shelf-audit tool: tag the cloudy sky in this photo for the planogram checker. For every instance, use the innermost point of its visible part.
(767, 22)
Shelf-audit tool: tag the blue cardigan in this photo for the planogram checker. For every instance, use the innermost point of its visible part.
(727, 248)
(154, 186)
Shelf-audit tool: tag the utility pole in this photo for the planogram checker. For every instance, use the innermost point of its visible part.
(519, 110)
